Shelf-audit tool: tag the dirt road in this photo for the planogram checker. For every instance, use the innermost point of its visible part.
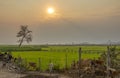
(5, 74)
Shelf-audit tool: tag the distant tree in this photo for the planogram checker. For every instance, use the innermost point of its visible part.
(24, 35)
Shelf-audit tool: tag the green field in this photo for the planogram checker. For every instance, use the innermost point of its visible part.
(45, 47)
(56, 54)
(58, 58)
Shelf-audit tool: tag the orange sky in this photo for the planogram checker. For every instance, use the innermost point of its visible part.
(35, 10)
(74, 15)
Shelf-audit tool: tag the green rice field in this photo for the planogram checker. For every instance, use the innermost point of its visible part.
(59, 55)
(58, 58)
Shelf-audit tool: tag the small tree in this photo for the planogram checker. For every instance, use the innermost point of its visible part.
(114, 57)
(24, 35)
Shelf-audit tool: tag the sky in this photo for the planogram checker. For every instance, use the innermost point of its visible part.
(74, 21)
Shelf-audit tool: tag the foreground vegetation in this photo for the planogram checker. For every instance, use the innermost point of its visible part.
(58, 58)
(61, 56)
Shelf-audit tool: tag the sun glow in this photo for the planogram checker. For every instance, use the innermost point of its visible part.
(50, 10)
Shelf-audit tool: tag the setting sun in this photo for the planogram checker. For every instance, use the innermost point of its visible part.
(50, 10)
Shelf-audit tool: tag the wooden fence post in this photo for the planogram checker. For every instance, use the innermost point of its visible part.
(39, 63)
(108, 61)
(66, 60)
(79, 60)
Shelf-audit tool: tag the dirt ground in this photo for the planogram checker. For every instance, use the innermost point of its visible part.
(44, 75)
(5, 74)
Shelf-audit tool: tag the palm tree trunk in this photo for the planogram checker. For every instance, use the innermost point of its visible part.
(21, 42)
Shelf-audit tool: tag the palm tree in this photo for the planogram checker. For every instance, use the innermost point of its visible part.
(24, 35)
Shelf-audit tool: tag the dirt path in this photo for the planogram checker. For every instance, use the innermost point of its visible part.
(44, 75)
(4, 74)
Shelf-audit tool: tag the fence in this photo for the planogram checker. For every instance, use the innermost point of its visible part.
(63, 61)
(42, 64)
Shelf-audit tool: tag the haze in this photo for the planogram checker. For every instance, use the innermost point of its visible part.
(94, 21)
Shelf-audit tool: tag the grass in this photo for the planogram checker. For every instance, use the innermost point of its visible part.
(56, 54)
(58, 58)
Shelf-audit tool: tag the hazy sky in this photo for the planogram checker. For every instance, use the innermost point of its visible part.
(95, 21)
